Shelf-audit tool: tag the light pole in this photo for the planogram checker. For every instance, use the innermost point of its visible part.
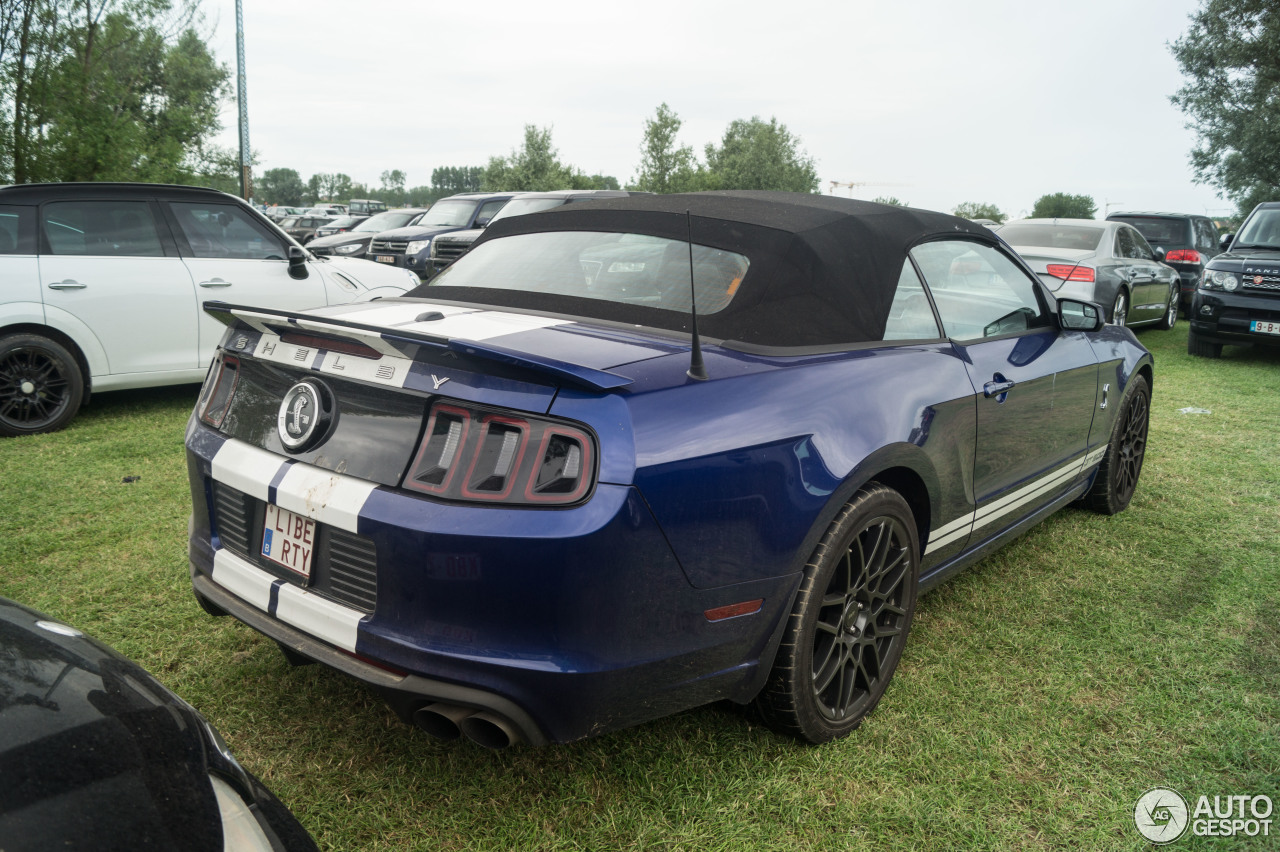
(246, 186)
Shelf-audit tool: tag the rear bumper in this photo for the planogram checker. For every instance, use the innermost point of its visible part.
(567, 623)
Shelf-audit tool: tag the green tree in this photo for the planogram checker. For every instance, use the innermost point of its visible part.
(536, 167)
(329, 186)
(1060, 205)
(889, 200)
(1230, 54)
(392, 191)
(451, 180)
(664, 165)
(976, 210)
(280, 186)
(756, 154)
(107, 90)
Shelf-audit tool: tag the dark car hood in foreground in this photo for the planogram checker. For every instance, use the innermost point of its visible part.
(95, 753)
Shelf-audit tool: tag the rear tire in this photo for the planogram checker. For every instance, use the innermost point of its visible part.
(41, 386)
(1120, 308)
(1202, 348)
(1170, 318)
(849, 623)
(1117, 476)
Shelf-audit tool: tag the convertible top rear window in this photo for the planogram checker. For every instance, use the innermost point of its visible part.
(630, 269)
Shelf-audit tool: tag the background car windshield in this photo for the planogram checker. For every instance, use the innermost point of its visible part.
(1262, 229)
(384, 222)
(626, 268)
(449, 213)
(521, 206)
(1080, 237)
(1161, 232)
(345, 221)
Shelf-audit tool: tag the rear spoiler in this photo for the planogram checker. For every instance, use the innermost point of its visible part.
(394, 342)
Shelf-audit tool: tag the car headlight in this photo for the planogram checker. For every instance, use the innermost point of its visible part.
(1219, 281)
(416, 246)
(351, 249)
(240, 828)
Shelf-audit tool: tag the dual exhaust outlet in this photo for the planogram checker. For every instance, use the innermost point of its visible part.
(452, 721)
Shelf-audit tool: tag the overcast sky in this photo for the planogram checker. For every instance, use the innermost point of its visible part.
(935, 102)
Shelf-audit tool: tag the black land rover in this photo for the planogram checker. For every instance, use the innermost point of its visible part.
(1238, 299)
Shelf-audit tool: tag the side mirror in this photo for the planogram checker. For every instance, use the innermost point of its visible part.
(1079, 316)
(298, 262)
(1226, 241)
(1160, 254)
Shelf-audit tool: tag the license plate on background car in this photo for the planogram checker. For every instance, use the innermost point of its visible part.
(385, 258)
(1265, 327)
(288, 539)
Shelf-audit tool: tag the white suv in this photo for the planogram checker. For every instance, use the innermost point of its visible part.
(102, 285)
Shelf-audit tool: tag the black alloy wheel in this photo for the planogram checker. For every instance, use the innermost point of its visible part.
(40, 385)
(1117, 477)
(850, 621)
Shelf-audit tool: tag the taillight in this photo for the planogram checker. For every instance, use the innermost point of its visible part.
(219, 390)
(1183, 256)
(489, 456)
(1067, 272)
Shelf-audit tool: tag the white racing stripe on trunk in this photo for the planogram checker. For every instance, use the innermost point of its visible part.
(324, 496)
(318, 617)
(245, 467)
(479, 325)
(244, 580)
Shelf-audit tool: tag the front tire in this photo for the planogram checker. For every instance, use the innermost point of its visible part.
(1202, 348)
(41, 386)
(849, 624)
(1117, 476)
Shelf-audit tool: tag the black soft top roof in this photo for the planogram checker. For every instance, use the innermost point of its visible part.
(823, 270)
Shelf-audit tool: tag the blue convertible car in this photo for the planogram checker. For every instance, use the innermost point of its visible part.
(623, 460)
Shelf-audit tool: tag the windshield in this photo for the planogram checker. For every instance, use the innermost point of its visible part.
(521, 206)
(385, 222)
(624, 268)
(345, 221)
(1261, 229)
(449, 213)
(1047, 235)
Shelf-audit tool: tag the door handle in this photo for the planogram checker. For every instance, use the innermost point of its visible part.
(998, 387)
(215, 282)
(69, 284)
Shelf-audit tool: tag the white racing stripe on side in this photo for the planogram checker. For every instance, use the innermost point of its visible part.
(245, 467)
(247, 582)
(318, 617)
(992, 512)
(324, 496)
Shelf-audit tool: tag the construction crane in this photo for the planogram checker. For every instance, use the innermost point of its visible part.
(852, 184)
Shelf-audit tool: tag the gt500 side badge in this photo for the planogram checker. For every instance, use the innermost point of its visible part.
(306, 412)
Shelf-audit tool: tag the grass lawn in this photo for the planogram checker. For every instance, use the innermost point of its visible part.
(1041, 693)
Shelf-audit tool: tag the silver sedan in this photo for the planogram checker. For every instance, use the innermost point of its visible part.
(1109, 263)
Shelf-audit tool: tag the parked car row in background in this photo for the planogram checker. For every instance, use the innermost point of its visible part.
(103, 285)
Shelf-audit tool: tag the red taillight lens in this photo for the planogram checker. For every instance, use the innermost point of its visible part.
(500, 457)
(219, 390)
(1183, 256)
(1068, 272)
